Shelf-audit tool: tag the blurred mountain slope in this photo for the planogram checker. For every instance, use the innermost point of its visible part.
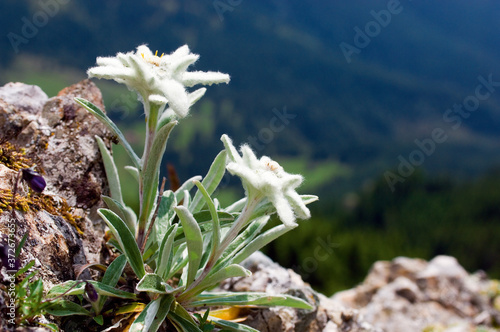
(285, 55)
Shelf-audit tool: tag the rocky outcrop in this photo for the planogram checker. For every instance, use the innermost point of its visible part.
(268, 276)
(56, 136)
(414, 295)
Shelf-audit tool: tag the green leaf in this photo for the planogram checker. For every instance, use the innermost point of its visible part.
(260, 242)
(25, 268)
(179, 260)
(215, 218)
(133, 171)
(111, 171)
(126, 240)
(152, 169)
(99, 114)
(114, 271)
(230, 326)
(194, 241)
(249, 298)
(122, 211)
(153, 315)
(308, 199)
(231, 271)
(241, 241)
(186, 199)
(182, 319)
(211, 181)
(188, 185)
(99, 319)
(165, 257)
(205, 223)
(21, 245)
(152, 283)
(111, 277)
(163, 221)
(102, 289)
(66, 308)
(51, 326)
(237, 206)
(64, 287)
(36, 291)
(166, 210)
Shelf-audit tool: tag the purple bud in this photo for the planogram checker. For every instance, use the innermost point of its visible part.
(34, 180)
(91, 292)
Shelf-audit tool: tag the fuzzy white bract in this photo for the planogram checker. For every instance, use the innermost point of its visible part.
(266, 178)
(160, 79)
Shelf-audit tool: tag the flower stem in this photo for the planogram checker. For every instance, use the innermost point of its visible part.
(238, 225)
(243, 219)
(146, 198)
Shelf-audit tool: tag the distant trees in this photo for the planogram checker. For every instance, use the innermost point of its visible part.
(423, 217)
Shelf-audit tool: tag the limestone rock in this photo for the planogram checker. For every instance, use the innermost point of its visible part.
(412, 295)
(267, 276)
(56, 135)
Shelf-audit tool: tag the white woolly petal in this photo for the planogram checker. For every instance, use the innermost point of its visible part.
(192, 78)
(144, 49)
(124, 58)
(143, 70)
(177, 97)
(180, 65)
(180, 52)
(298, 205)
(294, 180)
(108, 61)
(196, 95)
(249, 157)
(245, 173)
(110, 72)
(230, 149)
(284, 210)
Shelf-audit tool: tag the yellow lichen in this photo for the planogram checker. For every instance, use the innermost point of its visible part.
(37, 202)
(13, 157)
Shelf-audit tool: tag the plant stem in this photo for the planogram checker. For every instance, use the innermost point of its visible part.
(238, 225)
(153, 219)
(152, 111)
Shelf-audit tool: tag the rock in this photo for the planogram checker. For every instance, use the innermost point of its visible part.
(56, 135)
(27, 98)
(271, 278)
(414, 295)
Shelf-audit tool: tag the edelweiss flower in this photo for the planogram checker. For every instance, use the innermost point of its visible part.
(158, 79)
(265, 177)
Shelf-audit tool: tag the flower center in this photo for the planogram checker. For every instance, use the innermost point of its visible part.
(273, 166)
(153, 59)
